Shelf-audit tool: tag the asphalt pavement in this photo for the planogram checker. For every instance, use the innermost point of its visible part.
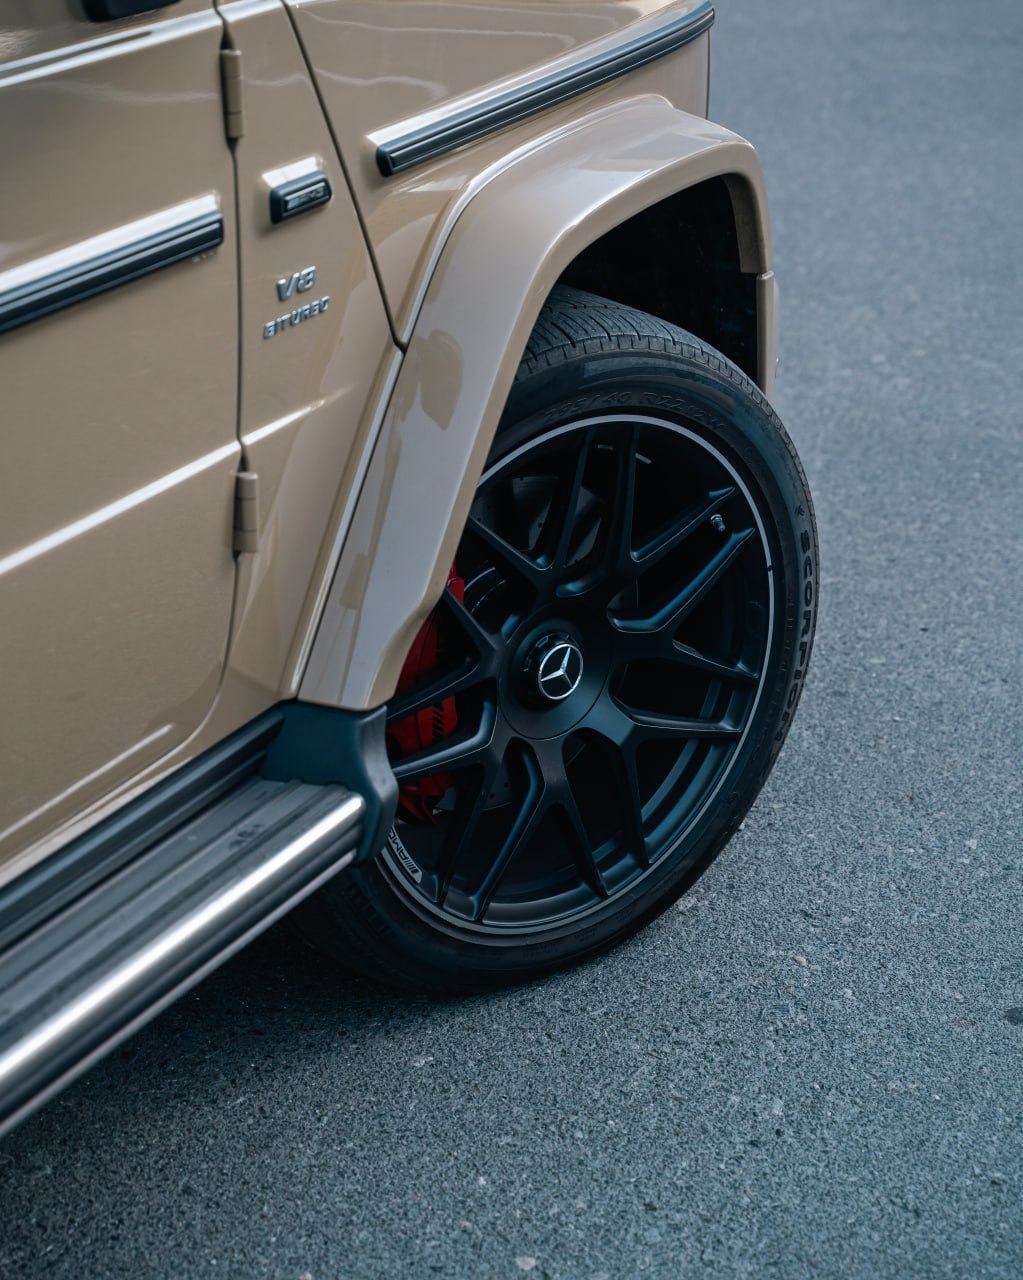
(813, 1065)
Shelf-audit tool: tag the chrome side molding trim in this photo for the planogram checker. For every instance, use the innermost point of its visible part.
(97, 265)
(394, 155)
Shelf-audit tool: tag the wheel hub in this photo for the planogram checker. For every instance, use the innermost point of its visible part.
(553, 669)
(553, 673)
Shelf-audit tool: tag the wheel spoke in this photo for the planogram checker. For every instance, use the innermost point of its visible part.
(687, 656)
(563, 799)
(429, 695)
(511, 557)
(644, 646)
(534, 806)
(650, 726)
(632, 805)
(622, 736)
(560, 523)
(671, 614)
(619, 538)
(486, 644)
(654, 551)
(470, 803)
(456, 752)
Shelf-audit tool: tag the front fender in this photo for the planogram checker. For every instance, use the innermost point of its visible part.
(505, 253)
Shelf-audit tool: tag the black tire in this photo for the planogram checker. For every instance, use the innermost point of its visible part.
(649, 473)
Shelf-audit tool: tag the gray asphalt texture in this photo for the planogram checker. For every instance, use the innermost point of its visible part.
(813, 1066)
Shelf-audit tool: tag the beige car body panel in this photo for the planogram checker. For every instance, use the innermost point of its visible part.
(116, 572)
(307, 394)
(416, 63)
(366, 457)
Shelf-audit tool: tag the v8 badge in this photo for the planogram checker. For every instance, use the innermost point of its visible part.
(302, 281)
(287, 287)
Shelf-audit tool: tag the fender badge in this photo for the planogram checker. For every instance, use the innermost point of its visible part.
(289, 321)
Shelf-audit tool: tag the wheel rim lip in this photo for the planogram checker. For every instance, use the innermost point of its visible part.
(498, 932)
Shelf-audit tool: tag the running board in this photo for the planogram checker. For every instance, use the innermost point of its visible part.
(123, 945)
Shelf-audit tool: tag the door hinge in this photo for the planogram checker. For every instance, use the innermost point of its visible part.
(246, 511)
(234, 105)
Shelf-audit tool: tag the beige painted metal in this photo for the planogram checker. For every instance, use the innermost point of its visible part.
(385, 67)
(307, 393)
(35, 32)
(505, 254)
(116, 573)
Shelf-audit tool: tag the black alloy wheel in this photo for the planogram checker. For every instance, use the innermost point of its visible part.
(615, 626)
(615, 662)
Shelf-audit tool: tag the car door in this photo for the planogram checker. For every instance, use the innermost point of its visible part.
(118, 369)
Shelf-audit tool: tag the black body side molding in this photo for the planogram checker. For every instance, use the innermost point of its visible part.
(504, 109)
(106, 271)
(107, 10)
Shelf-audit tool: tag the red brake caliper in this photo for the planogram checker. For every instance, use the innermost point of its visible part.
(422, 729)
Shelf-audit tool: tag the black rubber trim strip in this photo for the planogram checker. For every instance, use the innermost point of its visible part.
(107, 10)
(96, 275)
(507, 108)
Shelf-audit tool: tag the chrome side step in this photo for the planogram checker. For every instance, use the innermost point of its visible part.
(83, 978)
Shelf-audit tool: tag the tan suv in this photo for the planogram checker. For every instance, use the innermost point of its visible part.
(392, 514)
